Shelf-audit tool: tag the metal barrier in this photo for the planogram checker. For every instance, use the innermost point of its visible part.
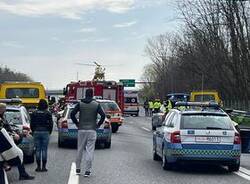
(243, 119)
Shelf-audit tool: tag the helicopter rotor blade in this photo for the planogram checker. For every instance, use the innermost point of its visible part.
(84, 64)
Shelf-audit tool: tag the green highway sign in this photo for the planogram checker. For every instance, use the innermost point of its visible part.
(128, 82)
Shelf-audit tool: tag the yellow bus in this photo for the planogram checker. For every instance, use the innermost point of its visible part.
(29, 92)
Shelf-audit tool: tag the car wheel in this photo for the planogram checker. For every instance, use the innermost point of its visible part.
(156, 157)
(107, 144)
(115, 128)
(165, 164)
(234, 167)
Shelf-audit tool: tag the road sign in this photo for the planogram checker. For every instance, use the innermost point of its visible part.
(128, 82)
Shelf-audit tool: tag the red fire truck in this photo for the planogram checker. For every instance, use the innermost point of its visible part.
(109, 90)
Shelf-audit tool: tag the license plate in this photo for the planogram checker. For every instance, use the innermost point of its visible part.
(208, 139)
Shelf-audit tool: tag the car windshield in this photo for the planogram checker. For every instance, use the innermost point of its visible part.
(177, 98)
(13, 116)
(22, 93)
(109, 106)
(206, 121)
(201, 98)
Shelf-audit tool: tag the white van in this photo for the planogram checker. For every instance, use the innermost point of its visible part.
(131, 102)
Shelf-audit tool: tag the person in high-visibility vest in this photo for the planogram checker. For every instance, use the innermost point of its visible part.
(157, 106)
(151, 107)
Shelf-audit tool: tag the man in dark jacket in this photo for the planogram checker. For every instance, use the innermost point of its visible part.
(89, 109)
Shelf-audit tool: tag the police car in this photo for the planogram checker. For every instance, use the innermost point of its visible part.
(67, 130)
(200, 132)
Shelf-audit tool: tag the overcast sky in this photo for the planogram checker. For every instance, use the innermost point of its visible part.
(44, 38)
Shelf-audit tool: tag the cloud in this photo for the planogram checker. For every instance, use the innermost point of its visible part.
(72, 9)
(125, 24)
(91, 40)
(13, 44)
(88, 30)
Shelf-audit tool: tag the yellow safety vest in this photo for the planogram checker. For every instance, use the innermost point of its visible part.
(151, 105)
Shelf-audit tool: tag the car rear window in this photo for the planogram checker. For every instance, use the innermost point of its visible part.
(13, 116)
(206, 121)
(22, 93)
(130, 100)
(206, 98)
(109, 106)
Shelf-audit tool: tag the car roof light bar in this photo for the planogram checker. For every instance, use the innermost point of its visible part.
(11, 101)
(198, 104)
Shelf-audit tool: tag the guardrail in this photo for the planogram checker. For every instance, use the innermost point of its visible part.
(243, 119)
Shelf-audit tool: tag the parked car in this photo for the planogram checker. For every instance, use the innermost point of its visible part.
(17, 116)
(202, 133)
(67, 130)
(111, 108)
(157, 119)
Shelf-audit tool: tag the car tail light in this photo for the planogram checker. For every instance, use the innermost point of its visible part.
(175, 137)
(237, 139)
(64, 124)
(106, 125)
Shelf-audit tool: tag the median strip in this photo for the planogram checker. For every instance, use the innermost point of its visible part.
(244, 173)
(73, 178)
(144, 128)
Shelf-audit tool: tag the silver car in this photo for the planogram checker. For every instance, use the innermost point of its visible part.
(18, 117)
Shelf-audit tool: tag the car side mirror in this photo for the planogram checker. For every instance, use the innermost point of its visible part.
(228, 111)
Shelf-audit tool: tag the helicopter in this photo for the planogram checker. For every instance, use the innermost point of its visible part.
(99, 70)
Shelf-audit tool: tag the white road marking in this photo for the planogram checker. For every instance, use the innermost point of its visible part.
(244, 173)
(73, 178)
(144, 128)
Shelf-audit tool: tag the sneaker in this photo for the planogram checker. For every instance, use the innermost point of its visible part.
(78, 171)
(26, 177)
(87, 174)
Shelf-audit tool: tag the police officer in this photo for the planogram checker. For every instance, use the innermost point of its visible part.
(157, 106)
(151, 107)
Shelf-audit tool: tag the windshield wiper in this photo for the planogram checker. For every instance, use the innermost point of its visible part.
(213, 128)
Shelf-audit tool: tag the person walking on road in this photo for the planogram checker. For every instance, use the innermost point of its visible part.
(41, 125)
(23, 175)
(89, 109)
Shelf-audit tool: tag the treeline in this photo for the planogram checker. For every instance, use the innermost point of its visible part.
(212, 52)
(7, 74)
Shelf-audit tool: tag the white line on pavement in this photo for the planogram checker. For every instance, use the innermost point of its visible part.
(244, 173)
(144, 128)
(73, 178)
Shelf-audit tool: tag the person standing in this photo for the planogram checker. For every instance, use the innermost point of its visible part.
(23, 175)
(146, 107)
(41, 125)
(151, 107)
(89, 109)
